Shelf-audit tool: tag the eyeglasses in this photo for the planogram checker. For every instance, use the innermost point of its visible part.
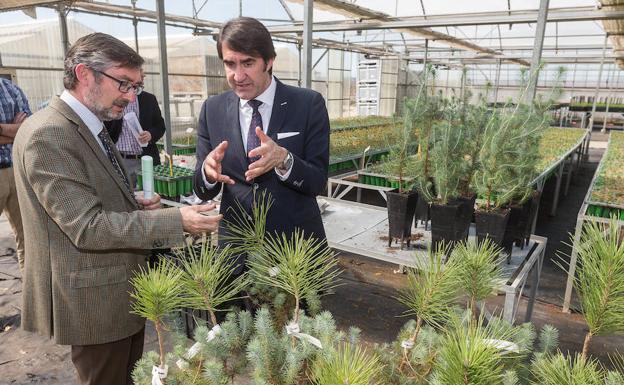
(124, 85)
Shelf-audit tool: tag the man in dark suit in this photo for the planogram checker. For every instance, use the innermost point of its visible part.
(262, 136)
(147, 110)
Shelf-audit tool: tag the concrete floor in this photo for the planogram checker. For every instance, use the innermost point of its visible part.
(365, 299)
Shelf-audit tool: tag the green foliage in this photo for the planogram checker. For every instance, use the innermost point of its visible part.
(208, 277)
(419, 360)
(277, 359)
(157, 292)
(404, 138)
(561, 370)
(600, 278)
(225, 356)
(348, 365)
(431, 289)
(480, 270)
(303, 267)
(246, 231)
(472, 354)
(447, 157)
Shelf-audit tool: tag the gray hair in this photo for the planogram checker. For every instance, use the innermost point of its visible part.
(100, 52)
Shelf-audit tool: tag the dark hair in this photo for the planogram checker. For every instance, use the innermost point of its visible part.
(98, 51)
(247, 35)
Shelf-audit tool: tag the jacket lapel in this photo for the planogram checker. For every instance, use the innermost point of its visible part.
(93, 144)
(278, 113)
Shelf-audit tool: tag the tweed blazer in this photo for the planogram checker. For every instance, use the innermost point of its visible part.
(84, 235)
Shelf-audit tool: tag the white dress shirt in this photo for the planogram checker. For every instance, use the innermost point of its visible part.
(94, 124)
(245, 112)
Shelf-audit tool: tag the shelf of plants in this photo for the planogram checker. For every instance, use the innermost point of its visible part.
(353, 136)
(586, 106)
(603, 203)
(186, 145)
(166, 184)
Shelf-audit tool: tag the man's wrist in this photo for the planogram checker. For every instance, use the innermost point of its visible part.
(286, 163)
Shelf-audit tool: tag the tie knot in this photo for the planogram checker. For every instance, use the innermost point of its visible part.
(254, 104)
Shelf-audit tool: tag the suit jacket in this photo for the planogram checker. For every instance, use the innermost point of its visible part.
(295, 110)
(151, 120)
(85, 237)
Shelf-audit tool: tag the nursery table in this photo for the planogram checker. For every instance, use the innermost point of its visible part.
(361, 229)
(594, 211)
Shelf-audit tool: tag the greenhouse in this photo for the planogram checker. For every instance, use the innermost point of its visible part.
(325, 192)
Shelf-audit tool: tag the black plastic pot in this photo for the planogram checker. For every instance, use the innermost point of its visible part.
(401, 208)
(520, 221)
(491, 224)
(446, 224)
(466, 214)
(422, 212)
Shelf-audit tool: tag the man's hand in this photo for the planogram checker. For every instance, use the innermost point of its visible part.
(149, 204)
(212, 165)
(271, 155)
(19, 117)
(196, 221)
(145, 137)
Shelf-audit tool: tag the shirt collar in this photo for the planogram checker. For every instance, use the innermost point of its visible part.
(94, 124)
(266, 97)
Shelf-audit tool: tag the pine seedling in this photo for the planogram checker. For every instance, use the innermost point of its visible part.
(600, 279)
(349, 364)
(548, 340)
(225, 356)
(274, 359)
(479, 269)
(298, 265)
(157, 293)
(473, 354)
(560, 370)
(246, 231)
(208, 279)
(431, 290)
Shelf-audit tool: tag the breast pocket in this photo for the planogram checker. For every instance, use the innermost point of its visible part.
(100, 276)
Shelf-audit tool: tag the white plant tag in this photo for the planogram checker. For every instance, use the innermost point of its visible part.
(407, 344)
(505, 346)
(274, 271)
(182, 363)
(158, 374)
(292, 329)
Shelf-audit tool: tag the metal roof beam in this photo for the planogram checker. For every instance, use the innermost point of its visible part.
(463, 19)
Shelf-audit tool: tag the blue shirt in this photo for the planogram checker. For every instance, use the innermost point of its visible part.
(12, 101)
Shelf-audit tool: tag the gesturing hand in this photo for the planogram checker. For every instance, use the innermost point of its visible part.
(212, 165)
(270, 153)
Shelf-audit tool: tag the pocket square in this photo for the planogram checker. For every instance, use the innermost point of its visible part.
(284, 135)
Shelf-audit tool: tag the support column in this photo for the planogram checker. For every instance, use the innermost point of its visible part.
(593, 112)
(63, 27)
(164, 71)
(307, 43)
(540, 30)
(497, 81)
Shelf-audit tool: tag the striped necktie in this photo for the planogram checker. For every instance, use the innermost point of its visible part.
(107, 143)
(256, 121)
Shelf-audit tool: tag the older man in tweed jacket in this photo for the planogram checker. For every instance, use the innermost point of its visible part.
(85, 233)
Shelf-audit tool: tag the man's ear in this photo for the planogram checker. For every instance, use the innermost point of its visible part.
(268, 65)
(82, 72)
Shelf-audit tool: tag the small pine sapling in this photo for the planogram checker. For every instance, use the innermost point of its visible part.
(479, 270)
(157, 294)
(431, 290)
(599, 281)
